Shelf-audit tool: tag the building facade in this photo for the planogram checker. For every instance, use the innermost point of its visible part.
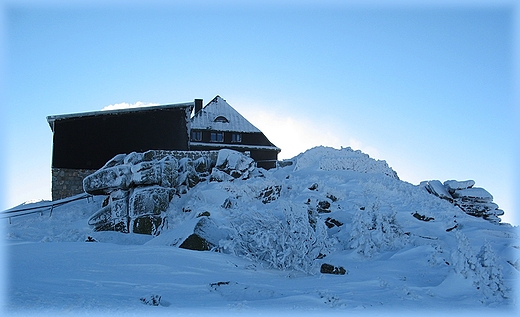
(218, 126)
(84, 142)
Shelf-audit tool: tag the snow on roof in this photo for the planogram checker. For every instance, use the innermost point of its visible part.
(211, 117)
(53, 118)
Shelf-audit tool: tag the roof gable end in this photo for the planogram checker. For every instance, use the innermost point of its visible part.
(220, 116)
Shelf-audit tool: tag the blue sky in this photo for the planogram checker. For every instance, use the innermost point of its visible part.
(429, 88)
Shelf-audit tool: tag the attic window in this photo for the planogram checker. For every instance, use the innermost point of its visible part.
(221, 119)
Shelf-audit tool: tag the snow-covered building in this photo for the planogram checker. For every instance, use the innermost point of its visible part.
(84, 142)
(218, 126)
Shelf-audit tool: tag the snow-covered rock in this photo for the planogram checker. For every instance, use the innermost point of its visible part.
(106, 180)
(475, 193)
(234, 163)
(140, 187)
(200, 234)
(330, 159)
(397, 244)
(438, 189)
(474, 201)
(152, 200)
(453, 185)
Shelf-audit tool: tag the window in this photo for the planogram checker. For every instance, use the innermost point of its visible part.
(196, 135)
(217, 137)
(221, 119)
(236, 137)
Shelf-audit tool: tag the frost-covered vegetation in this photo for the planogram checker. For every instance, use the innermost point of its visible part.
(269, 240)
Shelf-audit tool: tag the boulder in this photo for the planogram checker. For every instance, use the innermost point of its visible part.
(133, 158)
(202, 165)
(474, 201)
(234, 163)
(331, 269)
(100, 217)
(453, 185)
(188, 176)
(146, 173)
(437, 188)
(473, 194)
(140, 186)
(205, 235)
(331, 223)
(113, 216)
(169, 166)
(106, 180)
(323, 207)
(219, 176)
(151, 200)
(147, 224)
(103, 220)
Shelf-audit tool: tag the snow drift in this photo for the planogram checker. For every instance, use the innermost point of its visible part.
(330, 229)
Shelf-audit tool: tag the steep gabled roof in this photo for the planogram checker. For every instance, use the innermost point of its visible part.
(215, 114)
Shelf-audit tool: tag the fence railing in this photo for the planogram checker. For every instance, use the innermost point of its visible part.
(40, 207)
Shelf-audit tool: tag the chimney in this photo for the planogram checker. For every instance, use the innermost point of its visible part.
(198, 105)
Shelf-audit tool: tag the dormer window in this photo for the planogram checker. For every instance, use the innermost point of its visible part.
(221, 119)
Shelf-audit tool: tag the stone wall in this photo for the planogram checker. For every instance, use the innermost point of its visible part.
(68, 182)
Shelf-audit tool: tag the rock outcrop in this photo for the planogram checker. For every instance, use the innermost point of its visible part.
(474, 201)
(140, 186)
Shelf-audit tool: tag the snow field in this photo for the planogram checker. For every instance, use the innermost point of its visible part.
(403, 250)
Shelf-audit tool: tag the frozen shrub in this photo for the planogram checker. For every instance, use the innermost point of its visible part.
(374, 230)
(482, 268)
(283, 239)
(489, 274)
(464, 261)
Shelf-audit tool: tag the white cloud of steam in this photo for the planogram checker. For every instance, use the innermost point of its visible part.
(125, 105)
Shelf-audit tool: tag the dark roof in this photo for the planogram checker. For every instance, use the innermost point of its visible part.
(51, 119)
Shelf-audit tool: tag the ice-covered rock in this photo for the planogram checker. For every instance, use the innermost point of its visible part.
(474, 201)
(199, 234)
(151, 200)
(140, 186)
(330, 159)
(106, 180)
(438, 189)
(234, 163)
(146, 173)
(331, 269)
(475, 193)
(453, 185)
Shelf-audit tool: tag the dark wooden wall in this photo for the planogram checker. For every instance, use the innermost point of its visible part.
(247, 138)
(89, 142)
(264, 157)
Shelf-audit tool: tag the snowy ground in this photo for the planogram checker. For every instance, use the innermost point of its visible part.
(422, 268)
